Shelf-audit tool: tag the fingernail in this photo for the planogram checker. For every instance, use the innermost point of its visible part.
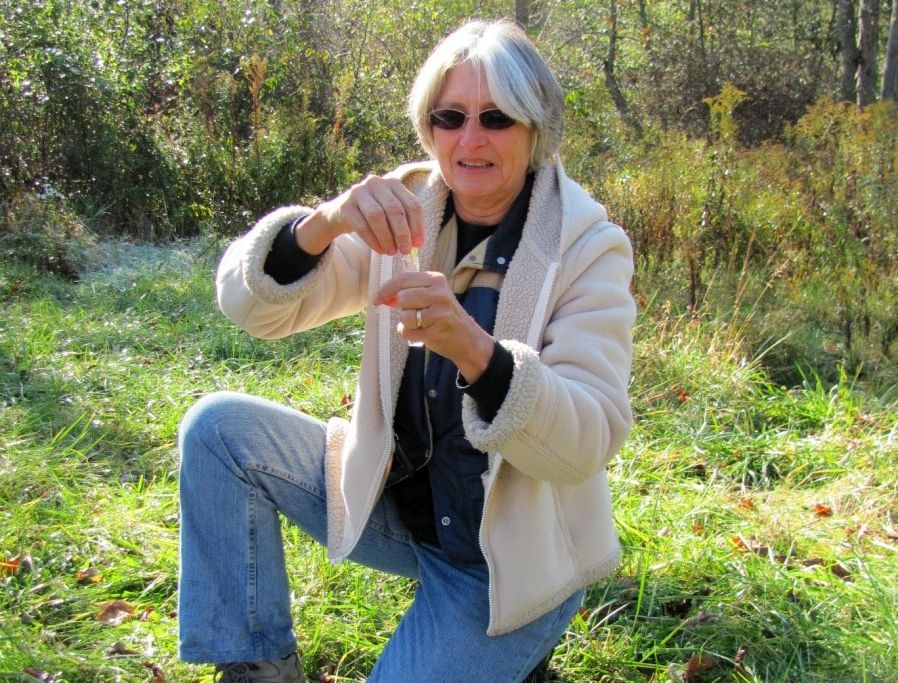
(393, 301)
(418, 241)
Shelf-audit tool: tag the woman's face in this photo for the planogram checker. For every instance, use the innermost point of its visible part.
(485, 169)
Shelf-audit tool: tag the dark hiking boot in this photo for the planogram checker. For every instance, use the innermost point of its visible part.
(286, 670)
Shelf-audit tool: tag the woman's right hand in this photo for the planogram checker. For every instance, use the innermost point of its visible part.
(381, 211)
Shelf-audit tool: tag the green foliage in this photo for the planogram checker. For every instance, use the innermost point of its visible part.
(798, 239)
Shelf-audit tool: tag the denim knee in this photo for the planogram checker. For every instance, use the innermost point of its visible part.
(207, 415)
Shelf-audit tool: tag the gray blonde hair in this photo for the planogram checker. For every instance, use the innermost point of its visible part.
(518, 78)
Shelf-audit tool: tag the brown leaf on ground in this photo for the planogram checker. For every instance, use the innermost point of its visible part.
(115, 612)
(88, 576)
(156, 670)
(841, 572)
(702, 617)
(739, 658)
(121, 649)
(739, 543)
(698, 664)
(10, 566)
(822, 510)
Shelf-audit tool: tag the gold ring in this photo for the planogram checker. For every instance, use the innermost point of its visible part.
(418, 323)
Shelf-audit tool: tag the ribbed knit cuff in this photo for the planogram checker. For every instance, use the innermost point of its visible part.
(287, 262)
(491, 388)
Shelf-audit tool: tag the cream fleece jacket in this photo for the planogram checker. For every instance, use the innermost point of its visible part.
(565, 312)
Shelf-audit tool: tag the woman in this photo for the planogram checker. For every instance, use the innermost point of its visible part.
(491, 394)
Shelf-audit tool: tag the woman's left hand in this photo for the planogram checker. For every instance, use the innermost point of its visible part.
(430, 313)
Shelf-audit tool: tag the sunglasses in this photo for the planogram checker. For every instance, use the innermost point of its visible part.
(452, 119)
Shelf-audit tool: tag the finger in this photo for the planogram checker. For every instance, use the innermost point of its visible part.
(352, 217)
(394, 216)
(414, 217)
(414, 319)
(400, 287)
(412, 214)
(377, 222)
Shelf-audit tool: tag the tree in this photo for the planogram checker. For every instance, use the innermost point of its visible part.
(890, 72)
(867, 39)
(611, 82)
(848, 52)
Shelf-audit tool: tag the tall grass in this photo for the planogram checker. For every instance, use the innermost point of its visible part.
(758, 521)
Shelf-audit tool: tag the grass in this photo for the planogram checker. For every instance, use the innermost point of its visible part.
(759, 522)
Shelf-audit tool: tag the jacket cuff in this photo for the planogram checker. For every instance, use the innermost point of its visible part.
(491, 388)
(516, 409)
(258, 245)
(287, 262)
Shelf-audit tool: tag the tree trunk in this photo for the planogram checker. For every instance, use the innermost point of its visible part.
(522, 13)
(848, 52)
(614, 89)
(867, 39)
(890, 72)
(646, 27)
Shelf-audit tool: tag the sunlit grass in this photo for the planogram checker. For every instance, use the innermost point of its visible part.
(758, 522)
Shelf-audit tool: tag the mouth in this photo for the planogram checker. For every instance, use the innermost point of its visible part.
(475, 164)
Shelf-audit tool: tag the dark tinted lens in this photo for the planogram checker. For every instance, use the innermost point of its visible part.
(495, 119)
(447, 119)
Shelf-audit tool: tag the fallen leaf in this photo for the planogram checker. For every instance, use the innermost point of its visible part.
(115, 612)
(812, 562)
(682, 396)
(10, 566)
(857, 531)
(156, 670)
(747, 504)
(698, 528)
(822, 510)
(840, 571)
(88, 576)
(739, 543)
(739, 658)
(698, 664)
(345, 400)
(702, 617)
(121, 649)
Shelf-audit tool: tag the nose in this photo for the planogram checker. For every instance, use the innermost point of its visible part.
(472, 133)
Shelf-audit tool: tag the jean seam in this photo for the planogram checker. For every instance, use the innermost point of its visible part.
(251, 597)
(382, 529)
(282, 474)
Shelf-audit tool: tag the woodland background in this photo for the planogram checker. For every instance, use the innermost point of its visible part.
(752, 144)
(750, 150)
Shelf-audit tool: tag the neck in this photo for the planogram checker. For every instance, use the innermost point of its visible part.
(485, 210)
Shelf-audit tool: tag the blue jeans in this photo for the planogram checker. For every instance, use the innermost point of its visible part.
(244, 460)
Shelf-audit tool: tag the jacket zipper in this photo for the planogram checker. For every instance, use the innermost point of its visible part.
(383, 362)
(539, 316)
